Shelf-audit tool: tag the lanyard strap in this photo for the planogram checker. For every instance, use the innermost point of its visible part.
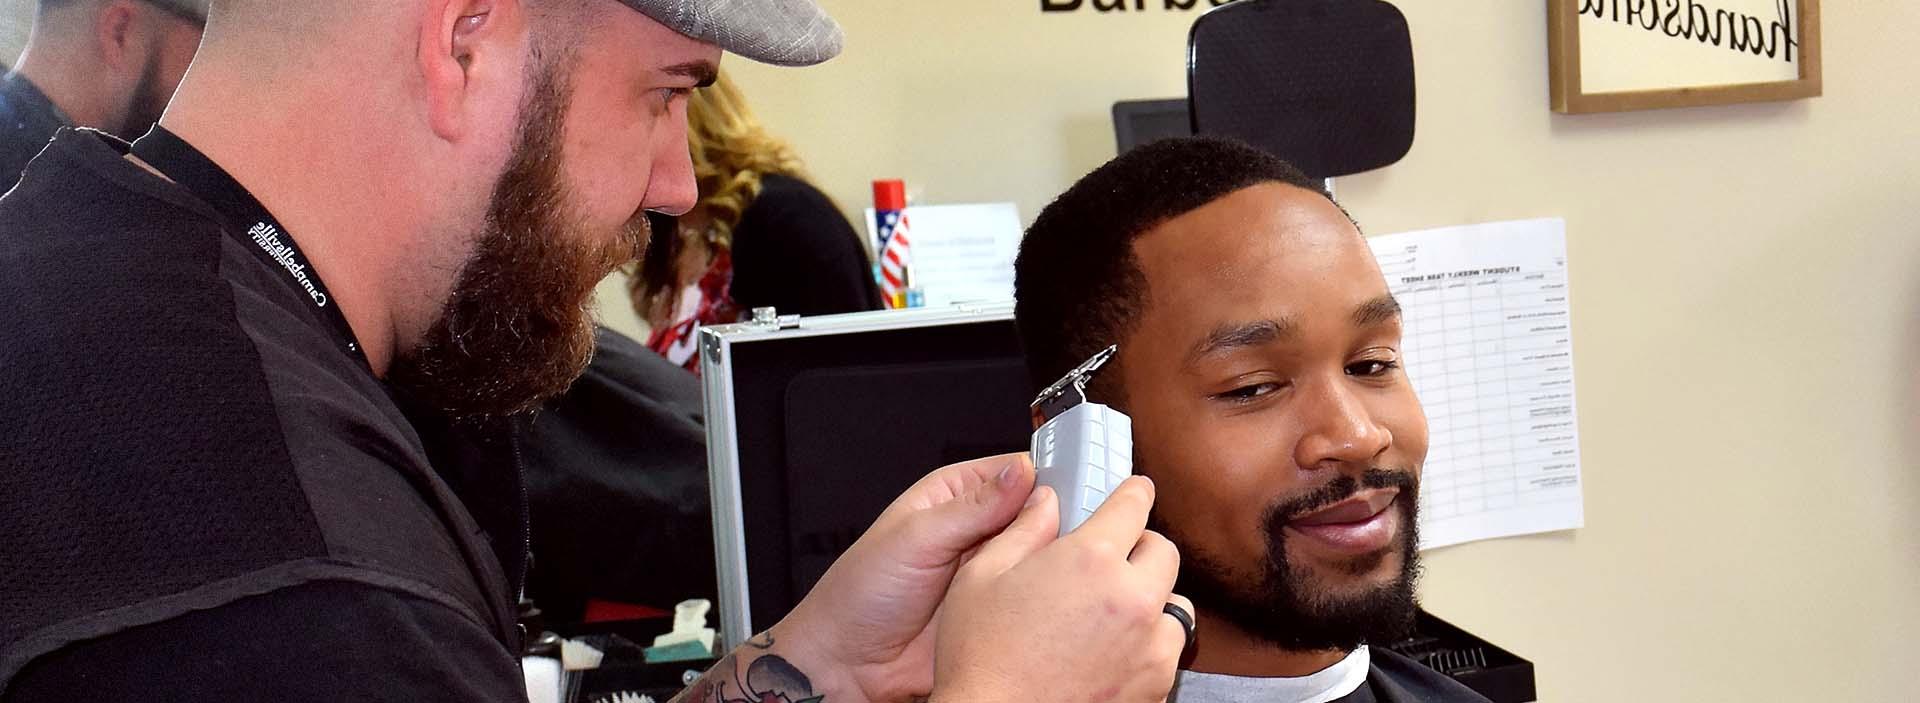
(249, 222)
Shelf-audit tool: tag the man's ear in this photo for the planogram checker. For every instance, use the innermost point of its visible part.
(457, 39)
(116, 36)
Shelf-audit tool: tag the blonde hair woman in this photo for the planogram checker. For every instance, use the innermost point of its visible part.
(761, 236)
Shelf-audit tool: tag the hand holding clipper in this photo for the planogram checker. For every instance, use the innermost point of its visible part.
(1084, 449)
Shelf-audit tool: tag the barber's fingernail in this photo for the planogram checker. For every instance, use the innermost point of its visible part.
(1007, 476)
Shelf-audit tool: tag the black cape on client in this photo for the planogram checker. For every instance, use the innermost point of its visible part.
(617, 486)
(1391, 678)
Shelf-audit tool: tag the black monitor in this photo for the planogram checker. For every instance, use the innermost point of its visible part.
(1137, 122)
(815, 428)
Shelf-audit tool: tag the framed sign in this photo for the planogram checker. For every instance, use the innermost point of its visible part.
(1618, 55)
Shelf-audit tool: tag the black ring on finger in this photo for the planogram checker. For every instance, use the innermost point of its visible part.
(1185, 618)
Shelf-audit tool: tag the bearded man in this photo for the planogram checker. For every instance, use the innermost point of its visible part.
(1260, 362)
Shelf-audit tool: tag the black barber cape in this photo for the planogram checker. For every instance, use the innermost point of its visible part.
(616, 473)
(203, 494)
(1393, 678)
(1389, 678)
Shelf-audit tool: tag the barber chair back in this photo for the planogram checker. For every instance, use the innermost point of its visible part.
(1324, 84)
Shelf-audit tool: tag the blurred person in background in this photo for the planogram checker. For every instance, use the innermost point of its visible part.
(107, 64)
(761, 236)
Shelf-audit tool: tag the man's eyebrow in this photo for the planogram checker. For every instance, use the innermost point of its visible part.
(1233, 336)
(1378, 311)
(704, 73)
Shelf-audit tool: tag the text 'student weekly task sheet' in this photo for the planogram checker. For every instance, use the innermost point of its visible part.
(1489, 347)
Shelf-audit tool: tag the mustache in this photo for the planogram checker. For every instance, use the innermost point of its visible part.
(628, 245)
(1339, 489)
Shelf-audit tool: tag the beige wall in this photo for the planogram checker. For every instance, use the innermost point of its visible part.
(16, 18)
(1747, 285)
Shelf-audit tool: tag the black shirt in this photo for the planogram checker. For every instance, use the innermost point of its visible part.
(204, 496)
(27, 121)
(794, 251)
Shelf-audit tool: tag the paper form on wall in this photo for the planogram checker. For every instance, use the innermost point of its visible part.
(1488, 345)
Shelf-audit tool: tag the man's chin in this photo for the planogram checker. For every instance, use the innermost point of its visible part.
(1353, 578)
(492, 376)
(1337, 570)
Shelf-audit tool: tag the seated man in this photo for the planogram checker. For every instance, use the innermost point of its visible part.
(1259, 359)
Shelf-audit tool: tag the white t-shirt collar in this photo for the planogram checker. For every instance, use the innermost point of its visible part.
(1329, 684)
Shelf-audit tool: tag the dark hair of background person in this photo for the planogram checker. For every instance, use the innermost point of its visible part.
(1077, 287)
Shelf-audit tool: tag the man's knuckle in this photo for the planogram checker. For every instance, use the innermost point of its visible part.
(1097, 554)
(1162, 651)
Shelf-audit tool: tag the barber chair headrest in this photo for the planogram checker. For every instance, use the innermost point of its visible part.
(1324, 84)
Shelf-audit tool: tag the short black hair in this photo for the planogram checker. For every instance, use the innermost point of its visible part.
(1076, 285)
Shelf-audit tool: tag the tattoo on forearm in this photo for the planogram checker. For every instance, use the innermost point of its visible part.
(769, 679)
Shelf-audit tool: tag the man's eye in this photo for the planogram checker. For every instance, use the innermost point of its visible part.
(1372, 367)
(1245, 394)
(667, 95)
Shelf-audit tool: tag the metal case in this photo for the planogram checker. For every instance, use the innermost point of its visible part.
(719, 348)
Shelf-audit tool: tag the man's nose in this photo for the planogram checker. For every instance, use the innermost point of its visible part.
(1339, 429)
(671, 188)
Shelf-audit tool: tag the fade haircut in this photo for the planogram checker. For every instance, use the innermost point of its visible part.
(556, 25)
(1077, 287)
(190, 10)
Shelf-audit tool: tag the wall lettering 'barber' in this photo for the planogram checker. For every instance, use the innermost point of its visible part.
(1129, 5)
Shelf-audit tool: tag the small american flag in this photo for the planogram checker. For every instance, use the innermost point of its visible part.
(894, 257)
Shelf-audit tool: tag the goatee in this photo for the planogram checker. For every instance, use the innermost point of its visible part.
(1287, 604)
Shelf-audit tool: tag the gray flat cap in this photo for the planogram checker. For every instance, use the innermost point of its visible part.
(780, 32)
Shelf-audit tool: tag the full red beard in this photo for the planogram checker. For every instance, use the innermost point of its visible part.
(518, 328)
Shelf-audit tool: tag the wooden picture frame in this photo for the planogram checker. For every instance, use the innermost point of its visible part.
(1663, 53)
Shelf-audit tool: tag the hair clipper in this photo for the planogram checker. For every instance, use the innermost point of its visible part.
(1084, 449)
